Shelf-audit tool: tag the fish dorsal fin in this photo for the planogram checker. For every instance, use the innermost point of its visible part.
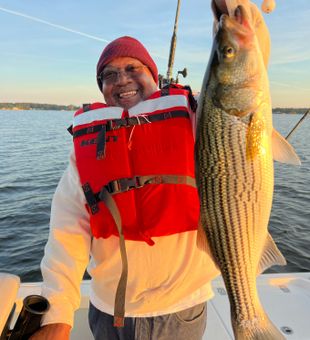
(282, 150)
(271, 256)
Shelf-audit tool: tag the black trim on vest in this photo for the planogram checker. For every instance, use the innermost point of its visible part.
(90, 198)
(100, 152)
(86, 107)
(192, 101)
(70, 129)
(115, 124)
(164, 91)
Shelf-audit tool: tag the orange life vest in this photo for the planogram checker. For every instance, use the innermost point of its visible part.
(144, 158)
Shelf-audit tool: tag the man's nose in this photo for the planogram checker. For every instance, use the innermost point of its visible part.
(122, 77)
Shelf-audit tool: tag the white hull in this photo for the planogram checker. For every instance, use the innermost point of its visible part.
(286, 298)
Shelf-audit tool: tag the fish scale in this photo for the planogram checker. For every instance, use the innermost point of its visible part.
(222, 191)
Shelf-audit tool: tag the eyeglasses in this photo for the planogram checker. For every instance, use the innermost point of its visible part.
(111, 76)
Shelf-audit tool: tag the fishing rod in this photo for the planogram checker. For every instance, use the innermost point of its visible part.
(169, 79)
(173, 43)
(296, 126)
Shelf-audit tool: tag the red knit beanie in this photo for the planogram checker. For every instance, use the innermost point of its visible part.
(126, 47)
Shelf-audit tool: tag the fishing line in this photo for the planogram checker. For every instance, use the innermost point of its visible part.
(296, 126)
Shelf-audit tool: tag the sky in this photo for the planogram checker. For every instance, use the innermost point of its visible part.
(49, 50)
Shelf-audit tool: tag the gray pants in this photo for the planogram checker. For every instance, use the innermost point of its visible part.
(188, 324)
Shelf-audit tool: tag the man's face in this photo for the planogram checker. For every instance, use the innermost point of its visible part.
(126, 82)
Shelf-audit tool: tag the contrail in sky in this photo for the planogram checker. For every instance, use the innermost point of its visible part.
(53, 25)
(62, 27)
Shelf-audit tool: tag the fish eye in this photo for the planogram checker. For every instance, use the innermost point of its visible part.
(228, 52)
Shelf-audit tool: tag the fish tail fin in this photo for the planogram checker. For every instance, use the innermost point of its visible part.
(257, 329)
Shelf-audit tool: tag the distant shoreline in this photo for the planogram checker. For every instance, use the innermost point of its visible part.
(55, 107)
(288, 110)
(37, 106)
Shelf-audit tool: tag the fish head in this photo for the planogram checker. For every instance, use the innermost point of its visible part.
(228, 7)
(235, 45)
(234, 36)
(237, 65)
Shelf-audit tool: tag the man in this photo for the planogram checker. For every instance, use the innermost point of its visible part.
(130, 178)
(128, 200)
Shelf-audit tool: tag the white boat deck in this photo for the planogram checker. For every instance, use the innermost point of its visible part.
(286, 298)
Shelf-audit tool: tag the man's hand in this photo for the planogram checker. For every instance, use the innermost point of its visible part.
(59, 331)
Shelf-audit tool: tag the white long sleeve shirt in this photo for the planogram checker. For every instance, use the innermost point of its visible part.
(165, 278)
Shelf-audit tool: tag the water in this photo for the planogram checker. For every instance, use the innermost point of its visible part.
(34, 152)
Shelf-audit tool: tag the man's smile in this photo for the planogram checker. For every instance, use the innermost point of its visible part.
(127, 94)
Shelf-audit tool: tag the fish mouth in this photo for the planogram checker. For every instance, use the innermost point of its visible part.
(238, 23)
(219, 7)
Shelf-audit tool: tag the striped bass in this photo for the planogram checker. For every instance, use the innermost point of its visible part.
(234, 152)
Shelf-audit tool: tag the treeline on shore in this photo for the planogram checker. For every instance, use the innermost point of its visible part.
(289, 110)
(37, 106)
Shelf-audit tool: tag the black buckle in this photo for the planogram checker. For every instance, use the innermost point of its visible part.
(123, 185)
(113, 187)
(130, 183)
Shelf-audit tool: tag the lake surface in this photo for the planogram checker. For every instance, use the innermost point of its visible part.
(34, 152)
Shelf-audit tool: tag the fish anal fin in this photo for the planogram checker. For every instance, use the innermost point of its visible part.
(282, 150)
(271, 256)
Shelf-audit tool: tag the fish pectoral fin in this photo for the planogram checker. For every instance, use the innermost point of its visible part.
(271, 256)
(282, 150)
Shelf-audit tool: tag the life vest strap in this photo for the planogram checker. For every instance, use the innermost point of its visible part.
(125, 184)
(119, 305)
(114, 124)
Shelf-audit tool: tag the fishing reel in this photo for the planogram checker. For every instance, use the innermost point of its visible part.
(183, 73)
(164, 81)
